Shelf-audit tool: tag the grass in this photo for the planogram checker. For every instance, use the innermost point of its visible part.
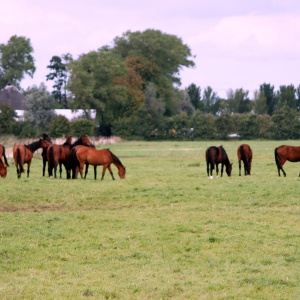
(165, 232)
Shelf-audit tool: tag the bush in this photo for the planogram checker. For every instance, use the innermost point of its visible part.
(59, 126)
(82, 126)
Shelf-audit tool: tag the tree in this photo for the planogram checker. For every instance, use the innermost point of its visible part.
(209, 100)
(195, 97)
(16, 61)
(285, 123)
(260, 103)
(7, 121)
(238, 101)
(286, 96)
(59, 126)
(268, 91)
(165, 53)
(59, 74)
(39, 104)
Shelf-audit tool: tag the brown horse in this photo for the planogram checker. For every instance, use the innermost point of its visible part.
(214, 157)
(244, 153)
(44, 152)
(284, 153)
(23, 154)
(104, 157)
(2, 154)
(3, 169)
(61, 154)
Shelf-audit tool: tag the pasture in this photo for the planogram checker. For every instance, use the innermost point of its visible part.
(164, 232)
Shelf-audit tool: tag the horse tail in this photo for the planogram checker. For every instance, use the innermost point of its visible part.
(52, 160)
(5, 159)
(74, 159)
(19, 160)
(276, 157)
(243, 155)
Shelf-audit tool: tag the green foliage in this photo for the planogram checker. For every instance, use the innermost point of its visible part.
(24, 129)
(285, 124)
(59, 126)
(194, 93)
(59, 74)
(82, 126)
(39, 106)
(7, 121)
(16, 61)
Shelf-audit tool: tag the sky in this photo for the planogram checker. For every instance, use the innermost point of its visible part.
(235, 43)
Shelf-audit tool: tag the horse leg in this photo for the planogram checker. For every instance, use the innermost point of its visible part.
(28, 169)
(86, 170)
(240, 167)
(95, 172)
(44, 166)
(60, 169)
(222, 169)
(111, 173)
(103, 171)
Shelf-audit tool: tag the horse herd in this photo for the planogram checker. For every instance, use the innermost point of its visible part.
(82, 152)
(72, 155)
(217, 155)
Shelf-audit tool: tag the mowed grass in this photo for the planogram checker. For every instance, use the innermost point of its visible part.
(165, 232)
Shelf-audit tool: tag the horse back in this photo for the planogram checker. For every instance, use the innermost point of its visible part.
(290, 153)
(212, 155)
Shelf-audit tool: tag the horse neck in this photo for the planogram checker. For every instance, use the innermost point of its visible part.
(34, 146)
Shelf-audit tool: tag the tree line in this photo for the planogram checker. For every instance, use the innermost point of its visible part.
(135, 88)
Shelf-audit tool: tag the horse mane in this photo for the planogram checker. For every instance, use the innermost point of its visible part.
(68, 141)
(83, 140)
(34, 146)
(115, 157)
(47, 137)
(224, 154)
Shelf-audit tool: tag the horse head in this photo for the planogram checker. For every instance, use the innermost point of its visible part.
(122, 172)
(3, 169)
(228, 168)
(45, 143)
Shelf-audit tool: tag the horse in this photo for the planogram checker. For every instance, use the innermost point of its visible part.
(2, 154)
(244, 153)
(61, 154)
(215, 156)
(3, 169)
(44, 152)
(104, 157)
(284, 153)
(23, 154)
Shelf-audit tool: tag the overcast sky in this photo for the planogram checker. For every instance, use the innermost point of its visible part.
(237, 43)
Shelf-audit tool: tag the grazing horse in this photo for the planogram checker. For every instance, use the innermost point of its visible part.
(44, 152)
(23, 154)
(284, 153)
(3, 169)
(2, 154)
(244, 153)
(214, 157)
(61, 155)
(104, 157)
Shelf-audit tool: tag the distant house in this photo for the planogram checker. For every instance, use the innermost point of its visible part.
(12, 96)
(67, 113)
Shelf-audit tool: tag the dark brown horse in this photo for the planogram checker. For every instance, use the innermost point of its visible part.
(23, 154)
(284, 153)
(44, 152)
(3, 169)
(244, 153)
(2, 154)
(61, 154)
(214, 157)
(92, 156)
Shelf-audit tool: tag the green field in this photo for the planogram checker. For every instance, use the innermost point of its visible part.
(165, 232)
